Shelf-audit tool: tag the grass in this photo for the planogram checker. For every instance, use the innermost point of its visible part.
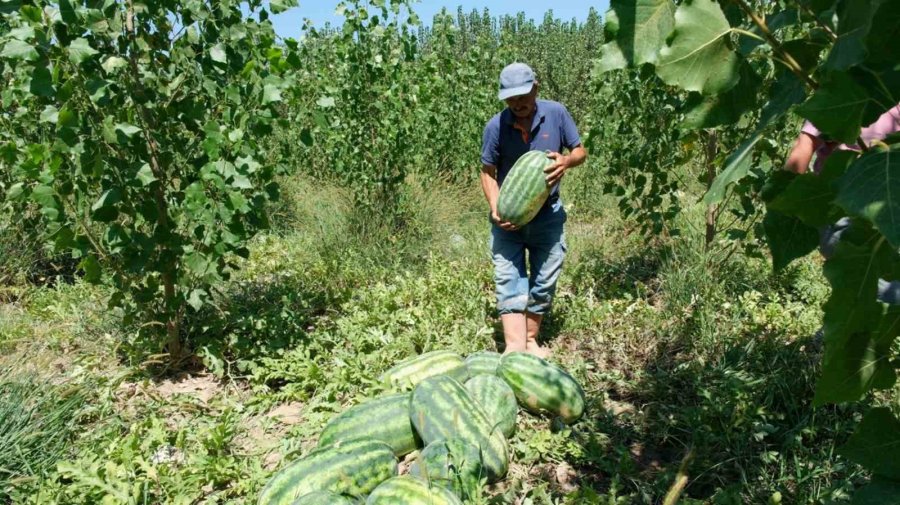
(677, 356)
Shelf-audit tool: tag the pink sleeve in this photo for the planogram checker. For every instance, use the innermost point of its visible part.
(810, 129)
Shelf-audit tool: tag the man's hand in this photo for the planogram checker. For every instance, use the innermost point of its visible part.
(506, 225)
(557, 169)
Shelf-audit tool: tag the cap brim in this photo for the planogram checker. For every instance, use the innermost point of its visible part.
(511, 92)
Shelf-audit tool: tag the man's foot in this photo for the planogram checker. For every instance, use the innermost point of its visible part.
(540, 351)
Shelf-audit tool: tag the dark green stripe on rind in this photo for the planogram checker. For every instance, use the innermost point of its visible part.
(542, 386)
(406, 490)
(408, 373)
(483, 362)
(385, 419)
(454, 464)
(441, 408)
(524, 189)
(355, 468)
(324, 498)
(497, 399)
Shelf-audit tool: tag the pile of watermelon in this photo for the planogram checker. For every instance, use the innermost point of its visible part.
(457, 413)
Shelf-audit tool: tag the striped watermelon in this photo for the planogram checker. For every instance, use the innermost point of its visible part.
(406, 490)
(525, 188)
(483, 362)
(354, 468)
(453, 464)
(324, 498)
(441, 408)
(408, 373)
(385, 419)
(542, 386)
(497, 399)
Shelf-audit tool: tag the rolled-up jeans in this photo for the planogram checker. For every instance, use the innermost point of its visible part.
(888, 292)
(529, 290)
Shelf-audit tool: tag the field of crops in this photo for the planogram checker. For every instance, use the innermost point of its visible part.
(214, 241)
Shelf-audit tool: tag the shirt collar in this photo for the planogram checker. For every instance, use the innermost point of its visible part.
(538, 116)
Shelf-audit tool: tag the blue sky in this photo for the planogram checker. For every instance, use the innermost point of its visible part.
(288, 24)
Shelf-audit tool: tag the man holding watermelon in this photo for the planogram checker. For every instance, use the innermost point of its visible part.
(527, 124)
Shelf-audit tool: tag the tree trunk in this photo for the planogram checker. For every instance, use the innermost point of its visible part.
(711, 210)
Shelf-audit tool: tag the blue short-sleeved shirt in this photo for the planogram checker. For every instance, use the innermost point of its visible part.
(552, 129)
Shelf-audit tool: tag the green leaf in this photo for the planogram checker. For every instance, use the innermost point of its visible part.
(871, 189)
(113, 63)
(218, 54)
(19, 50)
(306, 137)
(875, 443)
(788, 238)
(854, 22)
(724, 108)
(279, 6)
(91, 268)
(196, 299)
(878, 492)
(637, 30)
(837, 108)
(67, 12)
(698, 57)
(736, 167)
(856, 332)
(241, 181)
(126, 129)
(80, 51)
(50, 114)
(41, 82)
(271, 93)
(810, 197)
(325, 102)
(104, 209)
(66, 118)
(145, 175)
(880, 42)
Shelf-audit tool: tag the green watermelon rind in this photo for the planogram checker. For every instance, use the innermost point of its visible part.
(483, 362)
(406, 374)
(543, 387)
(407, 490)
(354, 467)
(497, 399)
(525, 188)
(442, 408)
(385, 419)
(324, 498)
(454, 464)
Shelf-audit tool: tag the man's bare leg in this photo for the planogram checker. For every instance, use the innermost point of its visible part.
(514, 331)
(533, 327)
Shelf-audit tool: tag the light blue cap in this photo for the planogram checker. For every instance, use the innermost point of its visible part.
(515, 79)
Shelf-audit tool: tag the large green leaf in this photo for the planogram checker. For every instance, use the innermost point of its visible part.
(698, 57)
(637, 29)
(837, 108)
(724, 108)
(882, 37)
(279, 6)
(80, 51)
(788, 238)
(857, 333)
(871, 189)
(810, 197)
(736, 167)
(876, 443)
(19, 50)
(854, 22)
(878, 492)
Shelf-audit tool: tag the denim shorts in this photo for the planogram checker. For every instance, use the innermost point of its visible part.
(531, 289)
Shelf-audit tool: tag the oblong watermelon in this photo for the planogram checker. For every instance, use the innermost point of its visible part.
(385, 419)
(497, 399)
(483, 362)
(441, 408)
(541, 386)
(406, 490)
(408, 373)
(525, 188)
(354, 468)
(454, 464)
(324, 498)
